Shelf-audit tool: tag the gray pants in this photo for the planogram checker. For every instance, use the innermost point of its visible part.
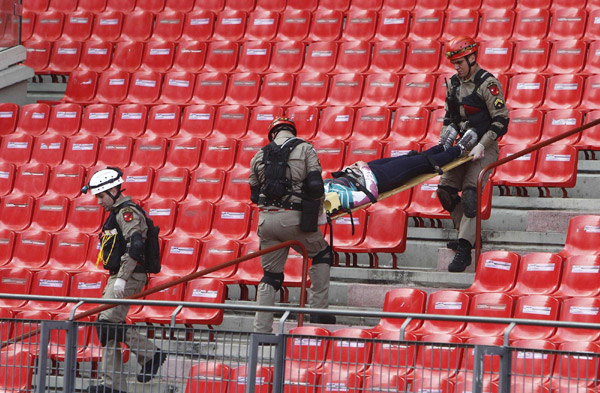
(112, 362)
(465, 176)
(277, 227)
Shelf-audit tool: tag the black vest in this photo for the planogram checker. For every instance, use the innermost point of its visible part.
(474, 105)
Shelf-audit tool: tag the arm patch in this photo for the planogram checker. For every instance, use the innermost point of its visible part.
(494, 89)
(499, 103)
(127, 214)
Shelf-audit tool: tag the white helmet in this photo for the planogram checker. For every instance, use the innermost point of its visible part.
(105, 179)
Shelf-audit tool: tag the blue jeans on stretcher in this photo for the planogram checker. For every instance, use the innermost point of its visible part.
(393, 172)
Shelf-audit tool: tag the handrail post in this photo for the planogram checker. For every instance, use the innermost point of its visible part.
(491, 166)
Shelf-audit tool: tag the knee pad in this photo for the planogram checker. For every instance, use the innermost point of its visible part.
(469, 202)
(273, 279)
(324, 256)
(109, 331)
(448, 197)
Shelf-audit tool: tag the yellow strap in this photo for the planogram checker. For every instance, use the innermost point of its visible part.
(105, 239)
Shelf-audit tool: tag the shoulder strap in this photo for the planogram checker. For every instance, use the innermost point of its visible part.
(480, 77)
(356, 184)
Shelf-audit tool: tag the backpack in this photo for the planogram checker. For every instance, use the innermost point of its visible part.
(275, 159)
(152, 243)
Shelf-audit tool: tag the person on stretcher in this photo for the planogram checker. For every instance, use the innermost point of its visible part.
(362, 182)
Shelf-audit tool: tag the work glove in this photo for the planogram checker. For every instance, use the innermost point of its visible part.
(477, 152)
(119, 288)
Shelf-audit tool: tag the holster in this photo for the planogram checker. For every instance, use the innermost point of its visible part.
(310, 215)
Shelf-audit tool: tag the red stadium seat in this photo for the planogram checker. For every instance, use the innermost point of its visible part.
(7, 178)
(262, 25)
(573, 372)
(198, 25)
(221, 56)
(144, 87)
(335, 122)
(162, 212)
(81, 86)
(592, 30)
(130, 121)
(94, 6)
(362, 150)
(491, 305)
(276, 89)
(85, 215)
(348, 231)
(107, 26)
(184, 152)
(32, 179)
(530, 56)
(410, 123)
(230, 25)
(247, 149)
(590, 138)
(392, 25)
(16, 281)
(243, 89)
(559, 121)
(137, 26)
(66, 180)
(380, 90)
(127, 56)
(86, 284)
(563, 92)
(231, 220)
(7, 244)
(48, 283)
(496, 272)
(138, 181)
(9, 113)
(163, 120)
(445, 302)
(529, 4)
(231, 121)
(177, 88)
(48, 26)
(180, 256)
(206, 184)
(372, 123)
(424, 203)
(68, 251)
(28, 20)
(204, 290)
(255, 56)
(326, 25)
(189, 56)
(50, 213)
(434, 367)
(360, 25)
(16, 369)
(216, 252)
(237, 187)
(168, 26)
(541, 307)
(400, 300)
(32, 249)
(159, 314)
(198, 226)
(149, 151)
(331, 153)
(575, 280)
(528, 122)
(294, 25)
(539, 274)
(496, 55)
(38, 55)
(339, 5)
(210, 88)
(48, 149)
(427, 24)
(310, 5)
(33, 119)
(78, 26)
(36, 5)
(531, 24)
(567, 24)
(590, 99)
(556, 167)
(112, 87)
(208, 376)
(345, 90)
(566, 57)
(310, 89)
(288, 56)
(460, 22)
(115, 151)
(120, 5)
(306, 118)
(320, 57)
(578, 309)
(422, 57)
(440, 90)
(82, 150)
(416, 90)
(65, 119)
(526, 91)
(158, 56)
(353, 57)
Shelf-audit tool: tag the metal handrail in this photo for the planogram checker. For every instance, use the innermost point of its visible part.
(192, 276)
(531, 148)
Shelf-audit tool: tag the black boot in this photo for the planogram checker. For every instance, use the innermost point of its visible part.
(322, 319)
(150, 368)
(103, 389)
(452, 244)
(462, 259)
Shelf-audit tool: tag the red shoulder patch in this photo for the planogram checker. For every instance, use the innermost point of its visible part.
(494, 89)
(127, 215)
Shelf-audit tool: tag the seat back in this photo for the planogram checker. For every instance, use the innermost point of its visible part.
(48, 149)
(539, 273)
(541, 307)
(579, 273)
(583, 235)
(401, 300)
(496, 271)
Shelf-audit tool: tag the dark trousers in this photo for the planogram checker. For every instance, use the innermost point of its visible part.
(392, 172)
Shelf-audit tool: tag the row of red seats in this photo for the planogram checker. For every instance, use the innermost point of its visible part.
(149, 126)
(317, 358)
(323, 25)
(156, 6)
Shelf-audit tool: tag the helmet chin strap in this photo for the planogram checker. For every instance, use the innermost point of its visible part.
(470, 64)
(114, 197)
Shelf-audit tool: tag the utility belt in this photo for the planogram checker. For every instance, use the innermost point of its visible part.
(280, 204)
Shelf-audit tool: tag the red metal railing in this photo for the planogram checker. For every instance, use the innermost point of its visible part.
(493, 165)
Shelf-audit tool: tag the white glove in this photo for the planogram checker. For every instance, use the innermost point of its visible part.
(477, 151)
(119, 288)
